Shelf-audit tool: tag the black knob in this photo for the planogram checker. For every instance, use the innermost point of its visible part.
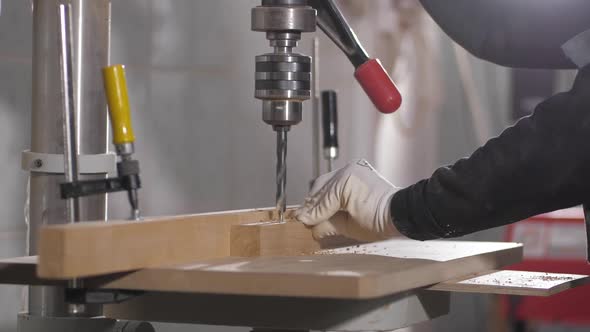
(330, 119)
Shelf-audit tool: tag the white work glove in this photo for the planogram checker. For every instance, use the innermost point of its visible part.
(357, 189)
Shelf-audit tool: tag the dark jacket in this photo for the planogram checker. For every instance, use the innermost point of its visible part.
(513, 33)
(540, 164)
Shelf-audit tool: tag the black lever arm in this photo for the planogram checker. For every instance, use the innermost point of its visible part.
(335, 26)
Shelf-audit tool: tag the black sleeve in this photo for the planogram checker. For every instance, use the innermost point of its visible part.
(513, 33)
(539, 165)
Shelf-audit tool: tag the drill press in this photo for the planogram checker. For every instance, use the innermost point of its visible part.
(283, 78)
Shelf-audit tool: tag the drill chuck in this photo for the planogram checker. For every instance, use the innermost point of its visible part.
(281, 113)
(283, 77)
(283, 82)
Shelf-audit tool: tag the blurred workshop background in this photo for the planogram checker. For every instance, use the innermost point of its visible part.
(201, 141)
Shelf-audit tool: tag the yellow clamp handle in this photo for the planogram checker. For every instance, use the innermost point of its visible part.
(115, 85)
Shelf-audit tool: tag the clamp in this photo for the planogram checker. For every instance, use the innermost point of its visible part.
(127, 178)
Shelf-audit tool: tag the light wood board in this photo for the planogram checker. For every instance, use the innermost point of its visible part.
(22, 271)
(272, 239)
(95, 248)
(510, 282)
(357, 272)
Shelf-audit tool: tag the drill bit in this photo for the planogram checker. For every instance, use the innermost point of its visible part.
(281, 171)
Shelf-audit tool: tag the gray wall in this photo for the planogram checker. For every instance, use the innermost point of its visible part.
(15, 92)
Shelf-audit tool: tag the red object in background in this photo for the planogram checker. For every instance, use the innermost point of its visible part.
(378, 86)
(554, 242)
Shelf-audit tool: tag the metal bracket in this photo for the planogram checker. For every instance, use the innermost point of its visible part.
(99, 296)
(99, 186)
(386, 313)
(54, 163)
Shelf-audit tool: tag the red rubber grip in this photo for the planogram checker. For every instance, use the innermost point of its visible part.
(378, 86)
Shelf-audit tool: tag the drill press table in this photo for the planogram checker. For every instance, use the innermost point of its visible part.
(369, 287)
(376, 287)
(380, 286)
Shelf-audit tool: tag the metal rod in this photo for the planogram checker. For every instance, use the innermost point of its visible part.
(91, 32)
(69, 107)
(315, 138)
(70, 131)
(281, 171)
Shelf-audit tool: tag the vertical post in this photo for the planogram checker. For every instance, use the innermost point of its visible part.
(69, 110)
(90, 53)
(315, 116)
(69, 116)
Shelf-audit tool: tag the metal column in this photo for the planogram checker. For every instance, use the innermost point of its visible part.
(91, 31)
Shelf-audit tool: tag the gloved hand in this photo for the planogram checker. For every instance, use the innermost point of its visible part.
(358, 190)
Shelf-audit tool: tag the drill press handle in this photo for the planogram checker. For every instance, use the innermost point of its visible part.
(378, 86)
(369, 72)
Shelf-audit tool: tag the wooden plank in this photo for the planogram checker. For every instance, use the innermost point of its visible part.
(272, 239)
(510, 282)
(94, 248)
(357, 272)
